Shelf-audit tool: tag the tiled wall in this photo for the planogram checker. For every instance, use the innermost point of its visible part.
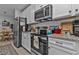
(48, 23)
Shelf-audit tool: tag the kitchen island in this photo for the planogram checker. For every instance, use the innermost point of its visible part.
(59, 44)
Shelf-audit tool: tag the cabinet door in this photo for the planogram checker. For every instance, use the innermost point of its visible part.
(26, 41)
(31, 19)
(75, 9)
(60, 10)
(23, 39)
(30, 15)
(38, 6)
(55, 51)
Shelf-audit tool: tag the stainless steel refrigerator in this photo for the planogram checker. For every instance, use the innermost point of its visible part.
(17, 29)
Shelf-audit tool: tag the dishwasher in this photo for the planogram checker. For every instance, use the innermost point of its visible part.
(58, 46)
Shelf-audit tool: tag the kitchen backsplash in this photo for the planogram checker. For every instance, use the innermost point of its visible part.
(49, 23)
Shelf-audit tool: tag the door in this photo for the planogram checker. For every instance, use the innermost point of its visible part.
(75, 9)
(60, 10)
(29, 13)
(39, 6)
(55, 51)
(26, 41)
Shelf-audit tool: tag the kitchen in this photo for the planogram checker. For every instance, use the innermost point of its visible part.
(47, 29)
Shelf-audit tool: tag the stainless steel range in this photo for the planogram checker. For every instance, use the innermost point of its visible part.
(39, 44)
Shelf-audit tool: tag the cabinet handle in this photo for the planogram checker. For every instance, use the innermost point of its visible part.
(76, 10)
(70, 11)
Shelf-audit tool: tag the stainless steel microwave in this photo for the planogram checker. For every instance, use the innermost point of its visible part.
(44, 13)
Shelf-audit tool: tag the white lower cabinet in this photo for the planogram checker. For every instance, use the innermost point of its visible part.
(26, 41)
(59, 46)
(55, 51)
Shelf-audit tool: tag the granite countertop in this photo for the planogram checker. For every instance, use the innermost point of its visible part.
(65, 37)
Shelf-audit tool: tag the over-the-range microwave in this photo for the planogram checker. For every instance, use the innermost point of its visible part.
(44, 13)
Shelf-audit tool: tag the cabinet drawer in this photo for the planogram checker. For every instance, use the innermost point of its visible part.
(61, 10)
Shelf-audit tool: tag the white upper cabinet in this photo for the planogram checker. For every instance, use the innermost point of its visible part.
(75, 9)
(29, 14)
(38, 6)
(17, 13)
(60, 10)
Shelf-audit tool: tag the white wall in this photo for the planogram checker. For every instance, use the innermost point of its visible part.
(2, 18)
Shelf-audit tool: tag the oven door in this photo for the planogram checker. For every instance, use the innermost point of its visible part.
(35, 43)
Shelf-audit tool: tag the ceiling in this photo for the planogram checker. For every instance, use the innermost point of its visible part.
(12, 6)
(8, 9)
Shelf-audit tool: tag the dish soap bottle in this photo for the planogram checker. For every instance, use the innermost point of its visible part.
(49, 32)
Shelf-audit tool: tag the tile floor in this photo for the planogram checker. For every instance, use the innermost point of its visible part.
(20, 51)
(7, 50)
